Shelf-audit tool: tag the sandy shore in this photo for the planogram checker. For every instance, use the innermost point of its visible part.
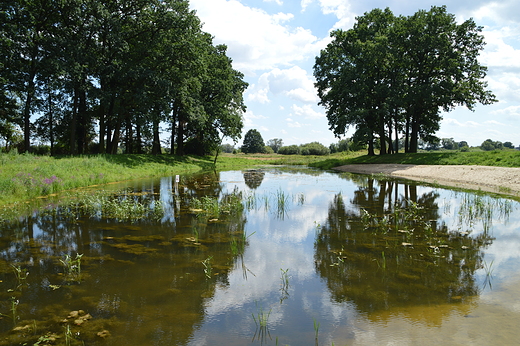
(503, 180)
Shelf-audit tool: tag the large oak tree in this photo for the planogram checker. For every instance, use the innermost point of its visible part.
(392, 73)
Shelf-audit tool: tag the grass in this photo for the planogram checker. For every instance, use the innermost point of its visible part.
(26, 177)
(499, 158)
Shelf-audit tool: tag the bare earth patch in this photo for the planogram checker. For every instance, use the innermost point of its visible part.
(503, 180)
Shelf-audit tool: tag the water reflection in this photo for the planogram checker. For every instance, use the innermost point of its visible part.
(386, 248)
(253, 178)
(352, 253)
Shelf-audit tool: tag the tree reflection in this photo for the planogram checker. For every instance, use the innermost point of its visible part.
(389, 249)
(144, 278)
(253, 178)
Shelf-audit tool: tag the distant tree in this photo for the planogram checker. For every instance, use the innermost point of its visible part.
(253, 142)
(449, 144)
(227, 148)
(509, 145)
(487, 145)
(289, 150)
(463, 144)
(314, 148)
(275, 144)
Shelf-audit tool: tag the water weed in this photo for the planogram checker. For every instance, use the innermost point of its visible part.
(21, 276)
(208, 271)
(261, 320)
(72, 267)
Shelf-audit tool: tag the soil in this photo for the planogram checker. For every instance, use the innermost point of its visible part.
(502, 180)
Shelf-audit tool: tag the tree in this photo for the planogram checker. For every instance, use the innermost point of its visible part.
(275, 144)
(449, 144)
(396, 74)
(253, 142)
(509, 145)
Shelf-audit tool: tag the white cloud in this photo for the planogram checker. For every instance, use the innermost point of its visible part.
(256, 40)
(455, 122)
(341, 9)
(278, 2)
(307, 112)
(250, 117)
(511, 111)
(294, 83)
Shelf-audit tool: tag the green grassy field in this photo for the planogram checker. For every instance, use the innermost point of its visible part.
(25, 177)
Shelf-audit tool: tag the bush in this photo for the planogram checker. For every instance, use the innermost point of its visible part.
(289, 150)
(314, 148)
(268, 150)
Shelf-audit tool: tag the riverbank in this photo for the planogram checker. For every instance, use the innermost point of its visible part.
(502, 180)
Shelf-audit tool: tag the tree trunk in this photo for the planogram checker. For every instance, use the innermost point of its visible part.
(156, 145)
(414, 137)
(180, 138)
(73, 123)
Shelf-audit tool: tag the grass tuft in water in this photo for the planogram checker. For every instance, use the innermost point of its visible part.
(208, 270)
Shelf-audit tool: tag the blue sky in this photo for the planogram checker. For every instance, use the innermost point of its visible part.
(274, 43)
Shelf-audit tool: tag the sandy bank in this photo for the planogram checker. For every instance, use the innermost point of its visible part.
(503, 180)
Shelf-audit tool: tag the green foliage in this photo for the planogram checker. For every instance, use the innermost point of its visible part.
(313, 148)
(489, 145)
(131, 64)
(364, 72)
(483, 158)
(275, 144)
(289, 150)
(253, 142)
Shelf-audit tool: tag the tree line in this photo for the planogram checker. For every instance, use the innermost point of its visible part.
(97, 76)
(390, 77)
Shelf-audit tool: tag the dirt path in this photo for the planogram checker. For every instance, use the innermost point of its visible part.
(503, 180)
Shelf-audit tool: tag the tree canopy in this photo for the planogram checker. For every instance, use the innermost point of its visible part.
(115, 72)
(253, 142)
(393, 75)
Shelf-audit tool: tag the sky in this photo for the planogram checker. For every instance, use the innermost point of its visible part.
(275, 42)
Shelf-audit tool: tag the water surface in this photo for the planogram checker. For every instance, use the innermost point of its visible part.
(311, 258)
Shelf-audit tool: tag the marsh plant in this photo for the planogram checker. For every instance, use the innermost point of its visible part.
(261, 320)
(13, 310)
(72, 267)
(316, 331)
(208, 271)
(282, 203)
(21, 276)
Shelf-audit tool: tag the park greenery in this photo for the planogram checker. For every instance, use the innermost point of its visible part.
(107, 76)
(390, 77)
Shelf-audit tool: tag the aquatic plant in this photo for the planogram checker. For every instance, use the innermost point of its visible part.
(282, 203)
(72, 267)
(316, 330)
(261, 320)
(21, 276)
(207, 267)
(14, 310)
(488, 268)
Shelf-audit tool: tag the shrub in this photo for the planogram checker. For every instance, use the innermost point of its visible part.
(314, 148)
(289, 150)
